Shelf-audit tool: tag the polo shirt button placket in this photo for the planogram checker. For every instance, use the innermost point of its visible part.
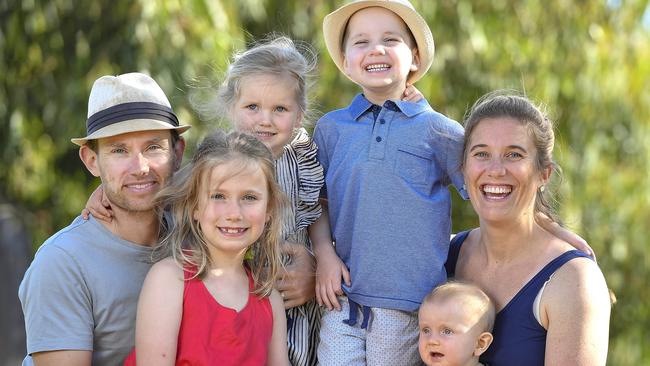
(377, 149)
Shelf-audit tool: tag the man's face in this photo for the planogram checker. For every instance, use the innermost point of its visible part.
(133, 166)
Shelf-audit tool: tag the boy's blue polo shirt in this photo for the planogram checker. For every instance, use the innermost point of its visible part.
(386, 183)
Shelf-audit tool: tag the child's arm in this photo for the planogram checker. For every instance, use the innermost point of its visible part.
(296, 282)
(329, 267)
(98, 206)
(563, 234)
(278, 353)
(412, 94)
(160, 309)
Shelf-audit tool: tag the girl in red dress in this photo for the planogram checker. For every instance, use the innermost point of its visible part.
(211, 301)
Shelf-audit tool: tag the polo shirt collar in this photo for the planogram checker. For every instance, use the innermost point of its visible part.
(361, 105)
(411, 109)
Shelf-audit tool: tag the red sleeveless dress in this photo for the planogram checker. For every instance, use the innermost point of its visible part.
(211, 334)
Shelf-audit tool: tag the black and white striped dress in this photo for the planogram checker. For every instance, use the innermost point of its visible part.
(301, 177)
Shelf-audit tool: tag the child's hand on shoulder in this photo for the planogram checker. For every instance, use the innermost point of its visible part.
(98, 205)
(330, 269)
(412, 94)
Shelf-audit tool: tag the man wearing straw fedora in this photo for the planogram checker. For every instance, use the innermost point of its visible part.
(387, 165)
(80, 293)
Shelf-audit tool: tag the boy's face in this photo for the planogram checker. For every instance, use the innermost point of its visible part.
(450, 334)
(379, 52)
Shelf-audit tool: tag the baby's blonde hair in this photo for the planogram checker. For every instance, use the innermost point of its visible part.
(470, 294)
(185, 241)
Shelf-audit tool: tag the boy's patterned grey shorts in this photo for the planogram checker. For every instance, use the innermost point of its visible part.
(390, 339)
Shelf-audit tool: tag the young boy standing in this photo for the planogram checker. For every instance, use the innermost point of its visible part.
(387, 166)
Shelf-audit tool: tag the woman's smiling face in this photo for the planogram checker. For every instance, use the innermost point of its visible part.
(500, 170)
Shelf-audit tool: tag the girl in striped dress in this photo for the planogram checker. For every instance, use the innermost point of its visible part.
(264, 93)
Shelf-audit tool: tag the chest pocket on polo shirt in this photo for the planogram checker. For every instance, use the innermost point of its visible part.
(414, 165)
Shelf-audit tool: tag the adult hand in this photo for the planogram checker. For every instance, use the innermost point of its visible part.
(297, 281)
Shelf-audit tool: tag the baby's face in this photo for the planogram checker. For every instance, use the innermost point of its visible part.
(379, 51)
(448, 334)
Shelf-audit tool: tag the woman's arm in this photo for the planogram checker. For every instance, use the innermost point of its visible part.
(278, 353)
(575, 311)
(160, 309)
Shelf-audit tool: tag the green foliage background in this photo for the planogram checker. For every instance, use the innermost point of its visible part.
(588, 61)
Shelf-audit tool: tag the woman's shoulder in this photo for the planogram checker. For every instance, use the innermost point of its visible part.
(458, 248)
(462, 242)
(578, 269)
(577, 282)
(571, 259)
(575, 309)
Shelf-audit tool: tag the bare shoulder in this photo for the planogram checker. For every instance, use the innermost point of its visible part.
(468, 250)
(575, 310)
(579, 281)
(165, 270)
(164, 281)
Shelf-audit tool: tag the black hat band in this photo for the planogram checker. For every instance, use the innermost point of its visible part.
(129, 111)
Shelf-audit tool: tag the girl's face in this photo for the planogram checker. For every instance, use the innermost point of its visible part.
(232, 208)
(500, 170)
(267, 109)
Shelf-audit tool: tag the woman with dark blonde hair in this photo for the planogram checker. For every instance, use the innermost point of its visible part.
(552, 301)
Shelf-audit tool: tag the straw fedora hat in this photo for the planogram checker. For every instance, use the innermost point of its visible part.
(127, 103)
(335, 23)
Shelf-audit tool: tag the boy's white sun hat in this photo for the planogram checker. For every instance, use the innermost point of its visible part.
(335, 23)
(127, 103)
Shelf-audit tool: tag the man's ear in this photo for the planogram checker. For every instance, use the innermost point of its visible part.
(484, 341)
(89, 157)
(415, 65)
(179, 149)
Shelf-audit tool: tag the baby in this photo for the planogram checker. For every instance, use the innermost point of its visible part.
(455, 319)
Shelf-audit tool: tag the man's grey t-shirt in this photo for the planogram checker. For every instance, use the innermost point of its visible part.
(81, 293)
